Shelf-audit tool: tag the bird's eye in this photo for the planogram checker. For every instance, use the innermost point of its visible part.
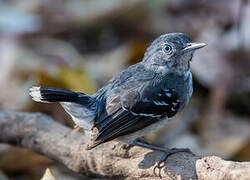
(167, 48)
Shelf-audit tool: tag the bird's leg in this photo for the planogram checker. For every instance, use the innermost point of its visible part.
(167, 152)
(75, 129)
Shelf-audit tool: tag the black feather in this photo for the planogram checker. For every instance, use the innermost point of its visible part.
(51, 94)
(134, 112)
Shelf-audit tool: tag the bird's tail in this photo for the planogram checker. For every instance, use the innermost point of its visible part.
(50, 94)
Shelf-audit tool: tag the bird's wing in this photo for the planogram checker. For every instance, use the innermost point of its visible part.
(133, 111)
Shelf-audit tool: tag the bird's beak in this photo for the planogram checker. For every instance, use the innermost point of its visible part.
(193, 46)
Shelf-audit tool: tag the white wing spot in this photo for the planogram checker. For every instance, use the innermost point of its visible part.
(174, 104)
(146, 115)
(160, 103)
(168, 94)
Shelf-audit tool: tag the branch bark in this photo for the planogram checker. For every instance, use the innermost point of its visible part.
(41, 134)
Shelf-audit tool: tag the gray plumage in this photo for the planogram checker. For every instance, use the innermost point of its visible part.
(140, 99)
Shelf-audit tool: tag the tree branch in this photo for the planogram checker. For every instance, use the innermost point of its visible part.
(41, 134)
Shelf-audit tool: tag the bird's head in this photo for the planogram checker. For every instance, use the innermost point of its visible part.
(171, 52)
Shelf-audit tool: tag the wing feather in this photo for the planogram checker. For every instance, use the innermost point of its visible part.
(133, 111)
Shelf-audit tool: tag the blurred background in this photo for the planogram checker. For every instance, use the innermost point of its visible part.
(81, 44)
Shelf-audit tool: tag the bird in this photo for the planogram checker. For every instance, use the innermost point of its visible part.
(139, 100)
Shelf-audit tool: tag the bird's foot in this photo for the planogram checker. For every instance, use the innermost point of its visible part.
(162, 162)
(167, 152)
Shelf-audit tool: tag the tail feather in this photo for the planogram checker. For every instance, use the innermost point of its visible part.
(81, 107)
(50, 94)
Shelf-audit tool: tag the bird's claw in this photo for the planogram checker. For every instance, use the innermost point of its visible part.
(167, 152)
(164, 157)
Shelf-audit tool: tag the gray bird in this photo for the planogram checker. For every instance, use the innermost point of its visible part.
(139, 100)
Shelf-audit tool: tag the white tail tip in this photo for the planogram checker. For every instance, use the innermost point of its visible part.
(35, 93)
